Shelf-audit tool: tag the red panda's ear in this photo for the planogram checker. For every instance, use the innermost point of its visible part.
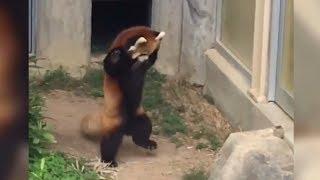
(160, 35)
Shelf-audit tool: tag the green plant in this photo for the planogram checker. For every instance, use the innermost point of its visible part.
(42, 163)
(93, 80)
(214, 141)
(196, 174)
(198, 134)
(152, 97)
(58, 166)
(93, 77)
(59, 79)
(39, 134)
(168, 118)
(173, 123)
(91, 84)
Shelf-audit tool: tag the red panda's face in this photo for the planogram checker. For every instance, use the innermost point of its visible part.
(145, 46)
(131, 48)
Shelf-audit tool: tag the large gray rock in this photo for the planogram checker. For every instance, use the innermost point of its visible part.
(254, 155)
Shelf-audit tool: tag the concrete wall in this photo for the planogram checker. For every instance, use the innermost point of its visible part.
(64, 34)
(167, 16)
(189, 25)
(198, 35)
(307, 63)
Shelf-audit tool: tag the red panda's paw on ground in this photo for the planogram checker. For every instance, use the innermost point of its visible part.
(152, 145)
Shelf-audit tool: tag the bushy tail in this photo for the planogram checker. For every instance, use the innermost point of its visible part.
(91, 126)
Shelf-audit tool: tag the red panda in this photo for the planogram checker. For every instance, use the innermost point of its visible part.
(131, 54)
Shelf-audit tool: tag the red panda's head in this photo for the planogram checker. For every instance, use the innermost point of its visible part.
(138, 42)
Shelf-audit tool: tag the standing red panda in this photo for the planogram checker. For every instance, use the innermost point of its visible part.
(131, 54)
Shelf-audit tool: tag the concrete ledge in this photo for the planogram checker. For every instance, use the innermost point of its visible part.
(228, 87)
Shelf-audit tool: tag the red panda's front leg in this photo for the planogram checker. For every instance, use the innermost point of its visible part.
(112, 64)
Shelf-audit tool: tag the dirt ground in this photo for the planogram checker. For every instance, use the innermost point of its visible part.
(64, 111)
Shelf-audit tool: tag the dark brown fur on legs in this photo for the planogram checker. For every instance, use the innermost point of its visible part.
(141, 130)
(109, 148)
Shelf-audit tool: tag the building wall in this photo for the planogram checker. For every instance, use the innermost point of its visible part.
(167, 16)
(63, 34)
(198, 35)
(190, 31)
(307, 63)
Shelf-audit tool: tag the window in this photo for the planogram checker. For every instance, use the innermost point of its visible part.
(257, 37)
(237, 28)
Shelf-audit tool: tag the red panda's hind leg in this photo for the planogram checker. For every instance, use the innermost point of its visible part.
(141, 131)
(109, 147)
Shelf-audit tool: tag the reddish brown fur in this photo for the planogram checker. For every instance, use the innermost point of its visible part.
(137, 31)
(112, 102)
(107, 120)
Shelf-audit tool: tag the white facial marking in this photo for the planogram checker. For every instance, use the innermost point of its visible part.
(135, 55)
(161, 35)
(143, 58)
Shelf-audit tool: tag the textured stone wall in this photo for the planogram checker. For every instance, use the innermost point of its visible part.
(189, 25)
(63, 34)
(167, 16)
(198, 35)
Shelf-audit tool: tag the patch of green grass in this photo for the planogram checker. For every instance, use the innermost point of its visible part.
(173, 123)
(58, 166)
(93, 81)
(169, 120)
(196, 174)
(91, 84)
(214, 142)
(201, 146)
(93, 78)
(58, 79)
(176, 141)
(198, 134)
(42, 163)
(152, 97)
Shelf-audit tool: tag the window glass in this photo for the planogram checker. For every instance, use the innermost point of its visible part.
(237, 28)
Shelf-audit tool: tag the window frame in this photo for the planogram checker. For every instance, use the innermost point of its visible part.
(283, 98)
(32, 19)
